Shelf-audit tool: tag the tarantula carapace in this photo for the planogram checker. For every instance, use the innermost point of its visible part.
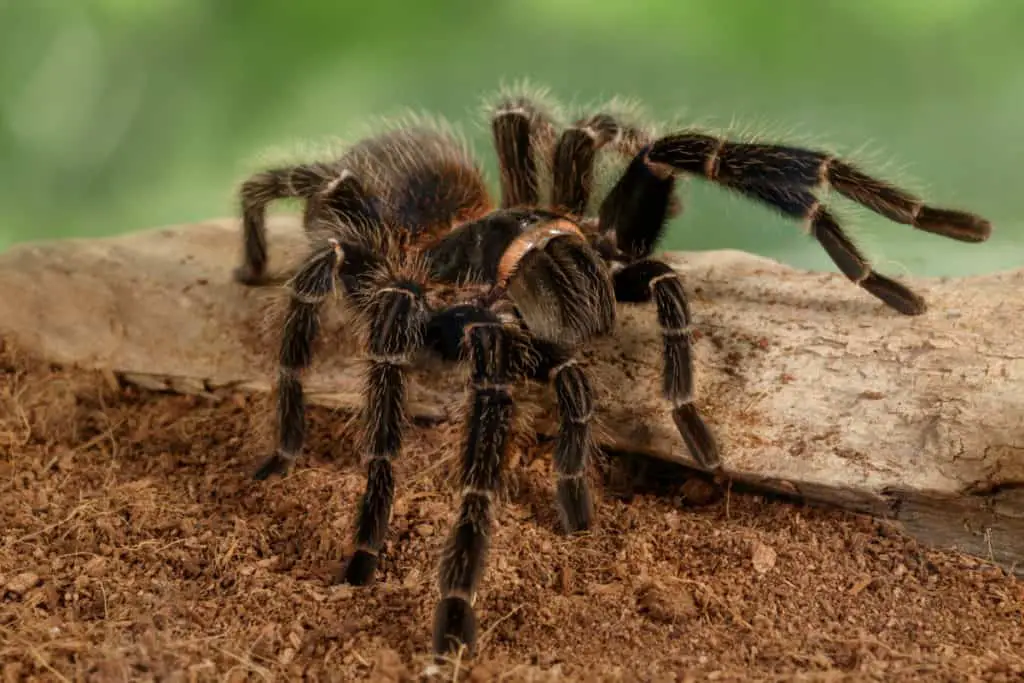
(406, 213)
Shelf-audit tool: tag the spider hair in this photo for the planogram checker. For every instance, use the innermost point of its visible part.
(403, 226)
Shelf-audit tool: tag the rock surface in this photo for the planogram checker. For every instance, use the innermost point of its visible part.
(814, 389)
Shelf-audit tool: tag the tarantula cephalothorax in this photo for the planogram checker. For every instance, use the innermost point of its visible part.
(406, 214)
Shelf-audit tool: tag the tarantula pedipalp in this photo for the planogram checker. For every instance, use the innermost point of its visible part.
(407, 213)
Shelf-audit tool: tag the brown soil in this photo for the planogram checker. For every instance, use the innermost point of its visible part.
(133, 546)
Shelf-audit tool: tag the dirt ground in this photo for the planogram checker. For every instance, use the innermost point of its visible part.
(133, 546)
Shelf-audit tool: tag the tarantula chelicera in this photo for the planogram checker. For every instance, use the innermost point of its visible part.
(404, 224)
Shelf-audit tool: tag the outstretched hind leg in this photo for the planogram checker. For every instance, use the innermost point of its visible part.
(783, 166)
(849, 259)
(790, 179)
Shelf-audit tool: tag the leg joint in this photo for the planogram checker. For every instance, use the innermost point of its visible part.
(583, 419)
(712, 162)
(557, 370)
(307, 299)
(663, 276)
(478, 492)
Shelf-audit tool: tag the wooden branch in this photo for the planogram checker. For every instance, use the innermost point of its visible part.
(813, 387)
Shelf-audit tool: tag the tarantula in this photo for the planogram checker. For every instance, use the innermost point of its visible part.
(404, 223)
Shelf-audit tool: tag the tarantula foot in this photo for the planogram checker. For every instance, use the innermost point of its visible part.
(894, 294)
(698, 436)
(575, 504)
(454, 626)
(360, 569)
(275, 464)
(249, 276)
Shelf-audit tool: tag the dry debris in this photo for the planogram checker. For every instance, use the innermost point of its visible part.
(133, 546)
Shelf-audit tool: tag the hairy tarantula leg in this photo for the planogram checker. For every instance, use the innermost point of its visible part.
(446, 330)
(485, 446)
(641, 281)
(636, 209)
(518, 127)
(397, 315)
(573, 163)
(768, 165)
(309, 287)
(343, 199)
(255, 194)
(575, 445)
(543, 361)
(843, 252)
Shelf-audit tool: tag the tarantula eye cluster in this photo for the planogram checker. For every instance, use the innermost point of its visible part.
(541, 270)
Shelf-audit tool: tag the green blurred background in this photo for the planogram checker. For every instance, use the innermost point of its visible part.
(123, 114)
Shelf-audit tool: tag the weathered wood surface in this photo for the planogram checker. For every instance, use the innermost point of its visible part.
(813, 388)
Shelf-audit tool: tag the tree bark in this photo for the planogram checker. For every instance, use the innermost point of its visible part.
(814, 389)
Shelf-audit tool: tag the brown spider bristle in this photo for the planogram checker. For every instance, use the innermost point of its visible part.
(397, 269)
(824, 227)
(580, 157)
(788, 179)
(678, 382)
(425, 178)
(636, 210)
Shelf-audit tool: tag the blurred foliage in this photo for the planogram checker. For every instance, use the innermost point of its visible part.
(122, 114)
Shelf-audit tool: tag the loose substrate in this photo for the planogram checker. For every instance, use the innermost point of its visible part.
(134, 546)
